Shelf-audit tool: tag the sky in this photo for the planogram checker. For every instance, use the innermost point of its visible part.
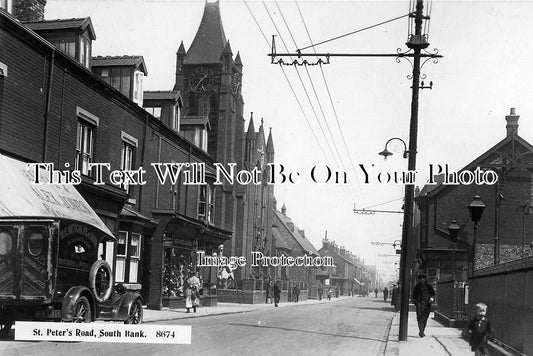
(341, 114)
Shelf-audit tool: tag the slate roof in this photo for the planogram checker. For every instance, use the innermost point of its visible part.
(63, 24)
(108, 61)
(210, 39)
(302, 241)
(195, 120)
(161, 95)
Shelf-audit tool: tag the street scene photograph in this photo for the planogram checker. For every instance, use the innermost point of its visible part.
(306, 177)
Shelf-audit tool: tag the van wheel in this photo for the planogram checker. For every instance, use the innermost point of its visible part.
(101, 281)
(5, 329)
(82, 311)
(135, 315)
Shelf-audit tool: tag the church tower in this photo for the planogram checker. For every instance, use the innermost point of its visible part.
(209, 79)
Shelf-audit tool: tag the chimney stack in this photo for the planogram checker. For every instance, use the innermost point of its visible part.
(29, 10)
(512, 123)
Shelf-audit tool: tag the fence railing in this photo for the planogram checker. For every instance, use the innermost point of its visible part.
(451, 299)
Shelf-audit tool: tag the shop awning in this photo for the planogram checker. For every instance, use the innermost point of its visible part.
(20, 197)
(357, 281)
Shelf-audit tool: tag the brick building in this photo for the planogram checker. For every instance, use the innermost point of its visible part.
(507, 215)
(291, 241)
(74, 114)
(349, 274)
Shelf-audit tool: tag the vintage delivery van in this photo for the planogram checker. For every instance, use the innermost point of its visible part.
(51, 255)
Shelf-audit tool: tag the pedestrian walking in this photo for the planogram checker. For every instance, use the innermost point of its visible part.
(423, 296)
(268, 291)
(329, 293)
(385, 294)
(296, 293)
(337, 292)
(192, 288)
(277, 292)
(320, 292)
(376, 293)
(479, 330)
(395, 297)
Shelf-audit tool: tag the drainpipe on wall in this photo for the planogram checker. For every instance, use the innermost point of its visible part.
(48, 99)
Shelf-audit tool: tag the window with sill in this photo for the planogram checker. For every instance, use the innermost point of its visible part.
(155, 111)
(122, 242)
(7, 5)
(134, 257)
(127, 161)
(67, 45)
(84, 146)
(200, 137)
(85, 51)
(138, 87)
(206, 204)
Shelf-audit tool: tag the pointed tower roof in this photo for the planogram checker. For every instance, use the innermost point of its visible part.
(210, 39)
(270, 143)
(238, 61)
(181, 50)
(227, 49)
(251, 129)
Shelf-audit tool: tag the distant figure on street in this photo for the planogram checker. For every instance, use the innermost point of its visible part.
(277, 292)
(385, 294)
(480, 330)
(395, 298)
(268, 291)
(320, 292)
(337, 292)
(423, 296)
(376, 292)
(296, 293)
(329, 293)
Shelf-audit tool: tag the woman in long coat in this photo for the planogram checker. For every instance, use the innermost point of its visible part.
(192, 288)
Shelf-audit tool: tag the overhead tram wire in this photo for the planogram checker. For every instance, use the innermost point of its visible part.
(349, 187)
(352, 164)
(303, 87)
(290, 85)
(317, 99)
(354, 32)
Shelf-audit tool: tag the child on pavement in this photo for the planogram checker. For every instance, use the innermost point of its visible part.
(480, 330)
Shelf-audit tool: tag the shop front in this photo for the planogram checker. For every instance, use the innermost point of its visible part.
(180, 240)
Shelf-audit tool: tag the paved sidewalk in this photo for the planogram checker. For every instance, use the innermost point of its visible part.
(439, 340)
(151, 316)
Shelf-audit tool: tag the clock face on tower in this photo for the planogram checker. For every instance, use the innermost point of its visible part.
(199, 80)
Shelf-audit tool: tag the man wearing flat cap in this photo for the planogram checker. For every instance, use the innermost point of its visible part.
(423, 296)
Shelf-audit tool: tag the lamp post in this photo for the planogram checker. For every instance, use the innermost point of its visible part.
(453, 230)
(476, 209)
(386, 153)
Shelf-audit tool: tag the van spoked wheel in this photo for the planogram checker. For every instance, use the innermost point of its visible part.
(82, 311)
(101, 281)
(135, 315)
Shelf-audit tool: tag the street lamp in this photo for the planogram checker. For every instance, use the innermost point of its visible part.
(386, 153)
(453, 230)
(476, 209)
